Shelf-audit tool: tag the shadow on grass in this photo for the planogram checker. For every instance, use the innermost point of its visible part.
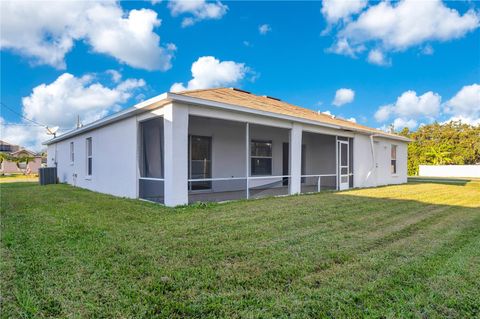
(442, 180)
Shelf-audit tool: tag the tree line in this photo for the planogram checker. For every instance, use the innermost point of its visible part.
(453, 143)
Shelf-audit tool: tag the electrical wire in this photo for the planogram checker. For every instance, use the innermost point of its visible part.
(21, 115)
(35, 123)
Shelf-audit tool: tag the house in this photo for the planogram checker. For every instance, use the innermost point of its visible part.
(223, 144)
(8, 166)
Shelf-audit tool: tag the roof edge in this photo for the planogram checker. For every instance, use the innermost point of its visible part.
(206, 102)
(172, 97)
(109, 119)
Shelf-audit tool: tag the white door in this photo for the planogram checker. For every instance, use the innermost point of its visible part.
(343, 165)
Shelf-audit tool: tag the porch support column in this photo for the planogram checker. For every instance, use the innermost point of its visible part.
(295, 158)
(176, 154)
(247, 158)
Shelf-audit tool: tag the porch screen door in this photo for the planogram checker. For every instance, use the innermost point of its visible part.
(343, 165)
(200, 162)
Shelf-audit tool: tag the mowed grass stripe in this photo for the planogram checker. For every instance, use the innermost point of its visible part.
(71, 252)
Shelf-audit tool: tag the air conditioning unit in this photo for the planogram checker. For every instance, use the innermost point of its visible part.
(47, 175)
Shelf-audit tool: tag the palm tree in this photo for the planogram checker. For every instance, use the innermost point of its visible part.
(21, 160)
(4, 157)
(439, 157)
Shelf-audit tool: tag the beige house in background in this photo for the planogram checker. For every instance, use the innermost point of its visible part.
(10, 167)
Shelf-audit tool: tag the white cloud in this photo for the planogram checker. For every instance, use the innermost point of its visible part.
(400, 123)
(199, 9)
(409, 105)
(383, 113)
(343, 47)
(60, 102)
(464, 120)
(427, 50)
(327, 112)
(24, 134)
(410, 108)
(46, 33)
(116, 76)
(247, 43)
(397, 26)
(377, 57)
(209, 72)
(466, 102)
(465, 105)
(335, 10)
(264, 29)
(343, 96)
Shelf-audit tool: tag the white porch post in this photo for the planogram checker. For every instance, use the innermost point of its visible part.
(337, 175)
(176, 154)
(295, 158)
(247, 158)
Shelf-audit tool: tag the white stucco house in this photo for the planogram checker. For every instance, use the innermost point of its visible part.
(223, 144)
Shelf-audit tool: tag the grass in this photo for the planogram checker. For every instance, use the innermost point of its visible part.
(399, 251)
(18, 178)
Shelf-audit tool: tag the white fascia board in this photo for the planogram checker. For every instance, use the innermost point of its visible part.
(137, 108)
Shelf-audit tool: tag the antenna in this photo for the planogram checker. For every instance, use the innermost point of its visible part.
(79, 124)
(52, 131)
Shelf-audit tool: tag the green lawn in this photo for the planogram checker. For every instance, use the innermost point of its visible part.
(399, 251)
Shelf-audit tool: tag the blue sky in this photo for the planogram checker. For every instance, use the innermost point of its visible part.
(402, 64)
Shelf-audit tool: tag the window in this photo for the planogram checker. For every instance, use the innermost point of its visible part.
(394, 159)
(89, 156)
(5, 148)
(261, 157)
(151, 164)
(72, 153)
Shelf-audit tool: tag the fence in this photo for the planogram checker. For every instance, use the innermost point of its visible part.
(449, 171)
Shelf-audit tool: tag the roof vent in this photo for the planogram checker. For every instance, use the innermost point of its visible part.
(235, 89)
(271, 97)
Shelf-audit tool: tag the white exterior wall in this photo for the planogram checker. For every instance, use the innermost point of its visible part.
(363, 162)
(383, 157)
(449, 170)
(114, 168)
(176, 154)
(366, 172)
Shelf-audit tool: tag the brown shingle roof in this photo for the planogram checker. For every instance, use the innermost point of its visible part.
(268, 104)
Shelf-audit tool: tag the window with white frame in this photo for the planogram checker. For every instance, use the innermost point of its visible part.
(89, 156)
(72, 152)
(261, 157)
(393, 163)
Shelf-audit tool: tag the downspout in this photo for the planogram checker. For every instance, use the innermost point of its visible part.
(374, 160)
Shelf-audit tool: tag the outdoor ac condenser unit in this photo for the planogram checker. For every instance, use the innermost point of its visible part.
(47, 175)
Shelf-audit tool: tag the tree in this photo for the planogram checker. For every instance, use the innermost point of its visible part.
(4, 157)
(23, 160)
(449, 143)
(438, 156)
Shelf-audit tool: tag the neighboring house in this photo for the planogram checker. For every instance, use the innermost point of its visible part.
(223, 144)
(10, 167)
